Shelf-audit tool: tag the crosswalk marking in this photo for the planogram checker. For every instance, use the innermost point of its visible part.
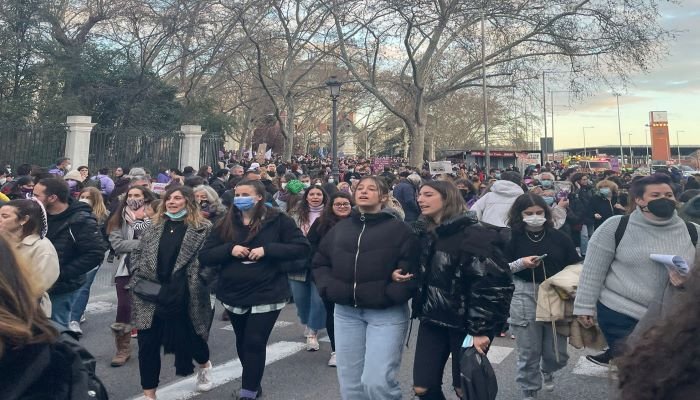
(497, 354)
(221, 374)
(98, 307)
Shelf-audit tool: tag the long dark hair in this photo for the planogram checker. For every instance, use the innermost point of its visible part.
(116, 220)
(226, 226)
(524, 201)
(453, 203)
(21, 320)
(303, 209)
(328, 218)
(668, 351)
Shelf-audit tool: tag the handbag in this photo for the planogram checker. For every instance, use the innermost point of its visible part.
(147, 290)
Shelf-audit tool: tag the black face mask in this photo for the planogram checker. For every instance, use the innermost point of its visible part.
(662, 208)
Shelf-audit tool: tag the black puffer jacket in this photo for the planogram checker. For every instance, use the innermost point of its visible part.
(466, 283)
(78, 242)
(242, 283)
(354, 263)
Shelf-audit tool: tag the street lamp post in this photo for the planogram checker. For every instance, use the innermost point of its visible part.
(334, 87)
(584, 139)
(619, 128)
(631, 154)
(678, 146)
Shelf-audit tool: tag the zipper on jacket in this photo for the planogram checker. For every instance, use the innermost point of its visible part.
(357, 255)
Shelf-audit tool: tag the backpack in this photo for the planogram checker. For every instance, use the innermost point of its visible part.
(86, 385)
(622, 226)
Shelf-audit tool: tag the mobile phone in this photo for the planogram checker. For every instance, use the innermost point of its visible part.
(540, 258)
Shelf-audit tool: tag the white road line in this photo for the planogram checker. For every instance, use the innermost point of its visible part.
(278, 324)
(98, 307)
(223, 373)
(585, 367)
(497, 354)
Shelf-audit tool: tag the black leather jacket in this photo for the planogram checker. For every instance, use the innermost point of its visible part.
(466, 282)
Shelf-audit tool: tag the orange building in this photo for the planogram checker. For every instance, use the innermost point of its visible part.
(660, 141)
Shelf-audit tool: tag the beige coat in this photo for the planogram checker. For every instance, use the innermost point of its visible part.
(555, 302)
(41, 257)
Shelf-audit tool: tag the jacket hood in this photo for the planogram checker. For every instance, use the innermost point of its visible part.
(74, 207)
(692, 207)
(506, 188)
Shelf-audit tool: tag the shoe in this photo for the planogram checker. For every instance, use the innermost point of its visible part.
(312, 343)
(529, 394)
(204, 383)
(512, 337)
(82, 318)
(602, 359)
(134, 333)
(548, 382)
(122, 341)
(331, 361)
(74, 326)
(308, 332)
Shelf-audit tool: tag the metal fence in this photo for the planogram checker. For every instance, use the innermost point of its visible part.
(211, 145)
(152, 150)
(39, 144)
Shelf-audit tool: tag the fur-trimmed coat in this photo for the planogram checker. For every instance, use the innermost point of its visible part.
(144, 265)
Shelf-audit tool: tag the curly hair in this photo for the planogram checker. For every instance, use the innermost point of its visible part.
(665, 362)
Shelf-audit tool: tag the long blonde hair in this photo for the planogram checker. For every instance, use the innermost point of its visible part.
(194, 218)
(98, 203)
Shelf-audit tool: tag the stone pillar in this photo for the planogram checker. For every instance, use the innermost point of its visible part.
(78, 139)
(191, 142)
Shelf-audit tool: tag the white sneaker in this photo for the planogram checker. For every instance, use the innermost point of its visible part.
(548, 382)
(331, 361)
(74, 326)
(204, 383)
(308, 332)
(312, 343)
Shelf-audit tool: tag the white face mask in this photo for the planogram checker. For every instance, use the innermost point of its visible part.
(87, 201)
(331, 180)
(284, 185)
(534, 220)
(68, 167)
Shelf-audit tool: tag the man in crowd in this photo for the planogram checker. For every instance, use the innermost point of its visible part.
(72, 229)
(62, 166)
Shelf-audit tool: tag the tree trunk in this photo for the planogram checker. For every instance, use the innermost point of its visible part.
(289, 129)
(417, 147)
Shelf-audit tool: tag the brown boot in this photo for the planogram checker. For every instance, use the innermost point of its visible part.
(122, 339)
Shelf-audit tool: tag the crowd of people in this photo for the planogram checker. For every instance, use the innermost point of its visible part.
(469, 254)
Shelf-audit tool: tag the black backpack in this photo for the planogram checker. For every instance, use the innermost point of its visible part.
(85, 385)
(622, 226)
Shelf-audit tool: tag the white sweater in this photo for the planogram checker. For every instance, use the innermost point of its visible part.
(493, 207)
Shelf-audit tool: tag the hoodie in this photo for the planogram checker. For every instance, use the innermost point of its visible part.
(690, 212)
(493, 207)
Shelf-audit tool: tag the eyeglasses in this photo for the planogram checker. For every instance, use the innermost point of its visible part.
(341, 205)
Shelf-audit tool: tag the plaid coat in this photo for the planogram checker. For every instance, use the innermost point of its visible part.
(144, 261)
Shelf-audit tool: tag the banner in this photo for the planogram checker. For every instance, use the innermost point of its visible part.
(440, 167)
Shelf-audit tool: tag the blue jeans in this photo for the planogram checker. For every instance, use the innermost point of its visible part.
(61, 307)
(586, 233)
(81, 296)
(368, 348)
(615, 326)
(310, 308)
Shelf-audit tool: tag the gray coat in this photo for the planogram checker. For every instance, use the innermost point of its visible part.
(144, 264)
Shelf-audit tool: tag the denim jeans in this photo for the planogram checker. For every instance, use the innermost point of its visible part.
(368, 348)
(586, 233)
(81, 296)
(535, 341)
(615, 326)
(310, 308)
(61, 307)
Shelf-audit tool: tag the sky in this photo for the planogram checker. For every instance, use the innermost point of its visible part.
(673, 85)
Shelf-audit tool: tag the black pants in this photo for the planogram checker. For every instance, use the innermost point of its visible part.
(433, 348)
(150, 342)
(330, 324)
(252, 334)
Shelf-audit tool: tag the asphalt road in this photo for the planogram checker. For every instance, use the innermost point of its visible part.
(295, 374)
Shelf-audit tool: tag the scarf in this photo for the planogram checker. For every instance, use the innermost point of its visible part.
(314, 213)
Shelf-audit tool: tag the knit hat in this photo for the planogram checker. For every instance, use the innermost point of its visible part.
(74, 175)
(414, 179)
(295, 186)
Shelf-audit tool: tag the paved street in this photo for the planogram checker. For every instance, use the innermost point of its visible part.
(292, 372)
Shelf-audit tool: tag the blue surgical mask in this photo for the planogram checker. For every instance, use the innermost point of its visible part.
(244, 203)
(604, 191)
(546, 183)
(498, 176)
(549, 200)
(178, 216)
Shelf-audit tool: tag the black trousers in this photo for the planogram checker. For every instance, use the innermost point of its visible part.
(433, 348)
(330, 324)
(252, 333)
(150, 343)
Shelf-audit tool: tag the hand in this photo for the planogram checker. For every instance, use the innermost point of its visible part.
(586, 320)
(481, 344)
(397, 276)
(240, 251)
(564, 203)
(620, 207)
(676, 279)
(531, 262)
(257, 254)
(597, 216)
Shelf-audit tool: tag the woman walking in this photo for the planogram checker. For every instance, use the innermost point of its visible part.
(125, 228)
(537, 251)
(466, 286)
(253, 247)
(179, 314)
(338, 208)
(364, 265)
(309, 305)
